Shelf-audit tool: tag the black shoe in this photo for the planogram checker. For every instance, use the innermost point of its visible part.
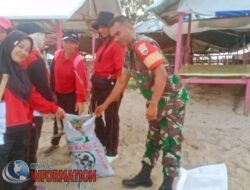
(167, 183)
(141, 179)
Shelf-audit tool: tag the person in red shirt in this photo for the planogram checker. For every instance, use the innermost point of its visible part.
(21, 98)
(68, 81)
(108, 66)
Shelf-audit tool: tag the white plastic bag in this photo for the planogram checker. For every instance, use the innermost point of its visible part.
(2, 121)
(211, 177)
(84, 146)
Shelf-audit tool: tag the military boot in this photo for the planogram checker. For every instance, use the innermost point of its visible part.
(167, 183)
(141, 179)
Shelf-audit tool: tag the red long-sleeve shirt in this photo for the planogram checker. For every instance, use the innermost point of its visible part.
(112, 59)
(19, 112)
(66, 79)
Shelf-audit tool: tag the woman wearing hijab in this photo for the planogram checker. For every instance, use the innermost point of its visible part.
(20, 98)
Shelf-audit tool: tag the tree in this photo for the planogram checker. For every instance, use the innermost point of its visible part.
(135, 9)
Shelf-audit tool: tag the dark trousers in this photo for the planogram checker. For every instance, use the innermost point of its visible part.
(34, 136)
(33, 142)
(108, 132)
(67, 102)
(14, 148)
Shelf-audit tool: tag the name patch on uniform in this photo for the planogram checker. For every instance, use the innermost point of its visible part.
(143, 49)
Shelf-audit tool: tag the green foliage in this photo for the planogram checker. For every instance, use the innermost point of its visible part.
(135, 9)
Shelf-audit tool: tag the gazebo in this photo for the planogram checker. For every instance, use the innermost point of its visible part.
(216, 23)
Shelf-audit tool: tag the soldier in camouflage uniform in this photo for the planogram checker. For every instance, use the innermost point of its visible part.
(165, 102)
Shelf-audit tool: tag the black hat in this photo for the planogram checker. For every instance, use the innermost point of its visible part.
(30, 28)
(103, 19)
(70, 35)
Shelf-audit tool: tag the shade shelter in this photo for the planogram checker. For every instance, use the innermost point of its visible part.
(222, 19)
(59, 15)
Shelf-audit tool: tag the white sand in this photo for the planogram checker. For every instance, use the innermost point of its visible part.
(213, 134)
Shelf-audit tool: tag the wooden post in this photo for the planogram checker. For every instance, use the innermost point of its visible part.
(59, 34)
(247, 98)
(188, 45)
(178, 56)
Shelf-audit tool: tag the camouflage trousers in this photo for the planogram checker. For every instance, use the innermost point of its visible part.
(165, 134)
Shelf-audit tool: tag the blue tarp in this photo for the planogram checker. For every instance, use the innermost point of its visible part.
(200, 9)
(232, 13)
(213, 7)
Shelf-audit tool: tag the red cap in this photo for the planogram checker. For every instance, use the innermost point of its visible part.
(5, 23)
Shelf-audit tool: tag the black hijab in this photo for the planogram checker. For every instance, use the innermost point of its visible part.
(18, 82)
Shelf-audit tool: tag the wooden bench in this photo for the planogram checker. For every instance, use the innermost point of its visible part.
(211, 71)
(218, 74)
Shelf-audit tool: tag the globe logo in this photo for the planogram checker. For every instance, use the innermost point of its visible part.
(16, 172)
(84, 160)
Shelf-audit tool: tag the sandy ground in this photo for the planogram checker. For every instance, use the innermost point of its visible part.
(214, 133)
